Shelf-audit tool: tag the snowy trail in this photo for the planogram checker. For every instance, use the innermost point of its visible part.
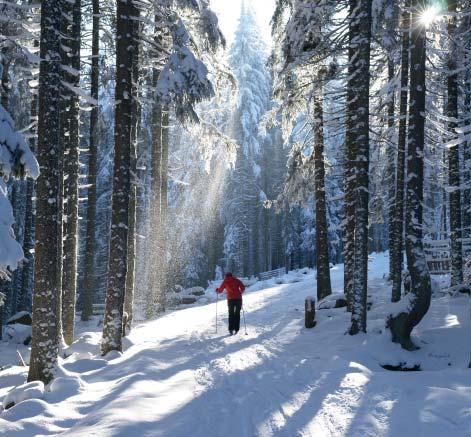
(179, 378)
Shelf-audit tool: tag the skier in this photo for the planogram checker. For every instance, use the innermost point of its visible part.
(234, 288)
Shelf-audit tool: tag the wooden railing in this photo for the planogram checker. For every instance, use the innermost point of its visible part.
(437, 254)
(98, 309)
(272, 274)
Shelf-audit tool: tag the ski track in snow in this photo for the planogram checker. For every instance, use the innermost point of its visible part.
(178, 377)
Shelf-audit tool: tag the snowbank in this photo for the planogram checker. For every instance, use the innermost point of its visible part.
(179, 377)
(30, 390)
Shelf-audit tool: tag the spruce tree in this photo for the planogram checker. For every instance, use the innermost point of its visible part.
(89, 283)
(358, 130)
(402, 323)
(126, 13)
(397, 247)
(44, 344)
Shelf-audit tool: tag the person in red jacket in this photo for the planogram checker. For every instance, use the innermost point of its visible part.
(234, 288)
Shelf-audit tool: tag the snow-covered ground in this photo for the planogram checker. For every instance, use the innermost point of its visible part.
(178, 377)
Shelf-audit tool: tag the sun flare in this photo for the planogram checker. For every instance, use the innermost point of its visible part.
(429, 15)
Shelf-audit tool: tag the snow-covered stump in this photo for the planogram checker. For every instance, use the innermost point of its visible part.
(309, 312)
(30, 390)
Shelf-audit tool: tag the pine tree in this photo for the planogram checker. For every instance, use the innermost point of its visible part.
(396, 249)
(126, 12)
(322, 245)
(90, 243)
(71, 61)
(402, 323)
(44, 344)
(358, 127)
(241, 212)
(453, 152)
(135, 125)
(158, 202)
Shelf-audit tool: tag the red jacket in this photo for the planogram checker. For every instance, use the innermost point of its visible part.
(234, 287)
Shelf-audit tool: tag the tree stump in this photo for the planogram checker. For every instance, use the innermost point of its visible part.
(309, 312)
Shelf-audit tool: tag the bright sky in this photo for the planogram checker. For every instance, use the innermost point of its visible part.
(228, 12)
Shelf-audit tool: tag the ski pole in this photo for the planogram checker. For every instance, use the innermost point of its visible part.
(245, 324)
(217, 298)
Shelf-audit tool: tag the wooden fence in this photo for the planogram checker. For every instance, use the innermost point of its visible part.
(437, 254)
(272, 274)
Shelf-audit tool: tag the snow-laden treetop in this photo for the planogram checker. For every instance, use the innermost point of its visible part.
(17, 161)
(248, 56)
(16, 158)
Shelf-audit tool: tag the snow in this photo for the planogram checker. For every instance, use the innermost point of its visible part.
(18, 333)
(177, 377)
(18, 316)
(30, 390)
(16, 159)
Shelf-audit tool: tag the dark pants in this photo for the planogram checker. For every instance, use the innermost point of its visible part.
(234, 306)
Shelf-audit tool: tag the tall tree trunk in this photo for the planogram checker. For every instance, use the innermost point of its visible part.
(402, 323)
(466, 207)
(360, 26)
(454, 196)
(136, 118)
(5, 284)
(71, 167)
(164, 206)
(391, 169)
(90, 242)
(5, 85)
(28, 246)
(398, 223)
(117, 268)
(350, 177)
(156, 268)
(322, 238)
(29, 232)
(159, 159)
(44, 347)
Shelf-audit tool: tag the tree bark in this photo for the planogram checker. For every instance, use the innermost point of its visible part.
(466, 207)
(454, 196)
(322, 234)
(90, 243)
(118, 266)
(136, 118)
(350, 177)
(29, 232)
(402, 323)
(398, 223)
(156, 267)
(44, 347)
(71, 167)
(391, 169)
(360, 26)
(5, 84)
(159, 137)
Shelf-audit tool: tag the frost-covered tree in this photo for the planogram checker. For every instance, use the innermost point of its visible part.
(454, 167)
(244, 197)
(126, 14)
(70, 127)
(186, 39)
(414, 305)
(16, 161)
(397, 241)
(90, 238)
(45, 342)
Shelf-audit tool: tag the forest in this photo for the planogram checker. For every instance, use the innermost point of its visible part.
(322, 156)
